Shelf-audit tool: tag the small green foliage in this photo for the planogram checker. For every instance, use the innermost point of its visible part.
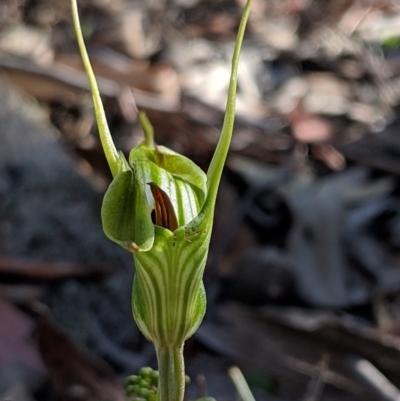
(145, 372)
(155, 376)
(144, 385)
(132, 389)
(131, 380)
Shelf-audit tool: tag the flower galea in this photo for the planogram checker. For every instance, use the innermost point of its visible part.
(154, 208)
(160, 206)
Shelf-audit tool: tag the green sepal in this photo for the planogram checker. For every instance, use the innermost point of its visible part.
(126, 212)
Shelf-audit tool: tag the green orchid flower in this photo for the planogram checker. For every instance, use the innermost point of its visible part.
(160, 206)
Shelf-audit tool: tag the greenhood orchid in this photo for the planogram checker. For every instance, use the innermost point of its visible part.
(160, 207)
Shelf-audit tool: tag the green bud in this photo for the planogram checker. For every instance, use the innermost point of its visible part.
(144, 383)
(154, 377)
(132, 389)
(133, 379)
(145, 371)
(144, 392)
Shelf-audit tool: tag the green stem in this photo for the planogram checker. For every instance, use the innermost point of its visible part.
(171, 368)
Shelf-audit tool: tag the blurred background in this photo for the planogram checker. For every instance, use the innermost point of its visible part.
(303, 278)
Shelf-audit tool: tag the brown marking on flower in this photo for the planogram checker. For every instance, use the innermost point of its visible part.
(165, 213)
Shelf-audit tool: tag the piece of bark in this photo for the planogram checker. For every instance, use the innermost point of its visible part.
(60, 82)
(20, 293)
(52, 83)
(47, 271)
